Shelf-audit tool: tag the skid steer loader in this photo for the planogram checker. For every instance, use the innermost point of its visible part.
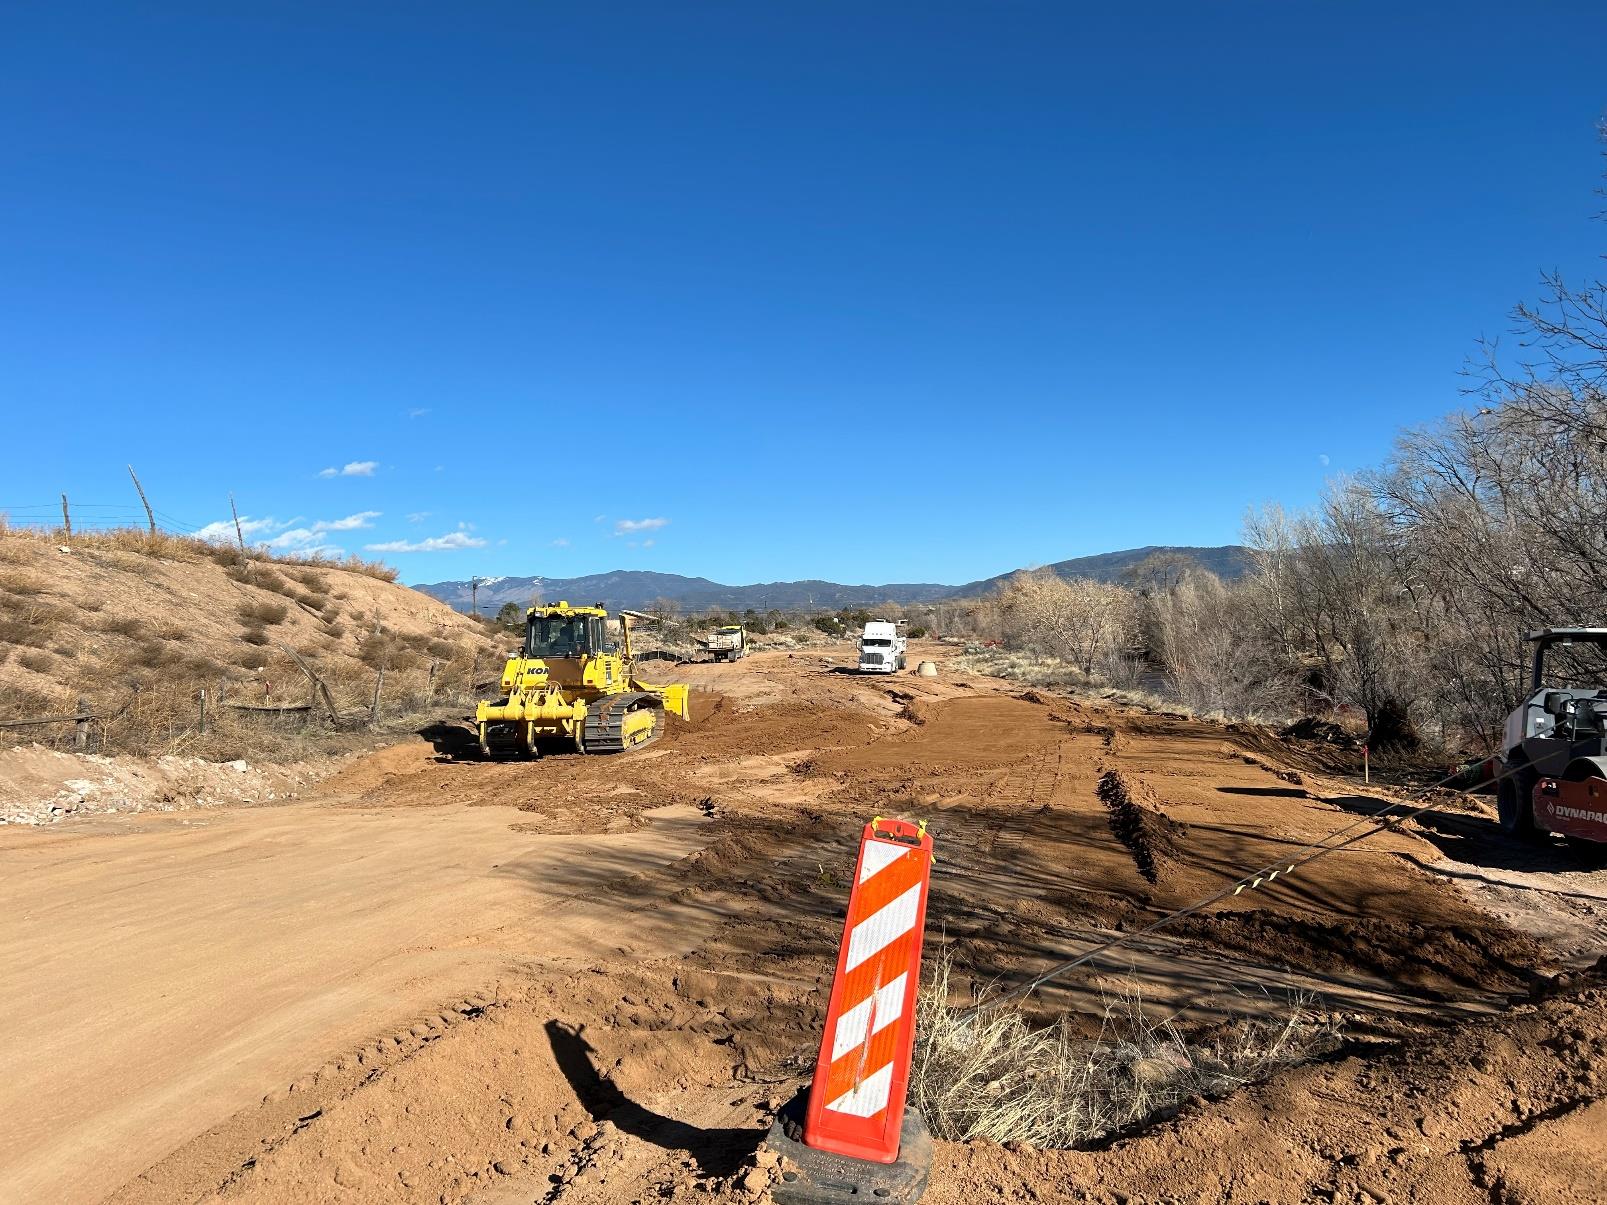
(572, 687)
(1554, 747)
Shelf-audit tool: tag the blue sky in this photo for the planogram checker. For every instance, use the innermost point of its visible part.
(760, 291)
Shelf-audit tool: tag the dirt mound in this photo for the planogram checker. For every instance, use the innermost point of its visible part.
(1149, 835)
(1310, 728)
(38, 785)
(138, 632)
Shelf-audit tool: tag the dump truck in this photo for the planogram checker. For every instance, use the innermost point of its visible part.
(1553, 760)
(573, 687)
(729, 643)
(881, 648)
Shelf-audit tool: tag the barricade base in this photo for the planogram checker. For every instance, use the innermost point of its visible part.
(822, 1178)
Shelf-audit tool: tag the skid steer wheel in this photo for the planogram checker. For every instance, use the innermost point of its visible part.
(1514, 804)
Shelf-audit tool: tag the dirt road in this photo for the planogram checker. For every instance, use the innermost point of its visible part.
(592, 980)
(160, 974)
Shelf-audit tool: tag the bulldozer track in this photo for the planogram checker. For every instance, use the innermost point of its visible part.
(604, 731)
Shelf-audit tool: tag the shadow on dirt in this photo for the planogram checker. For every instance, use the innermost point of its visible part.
(451, 739)
(1276, 792)
(717, 1152)
(1477, 841)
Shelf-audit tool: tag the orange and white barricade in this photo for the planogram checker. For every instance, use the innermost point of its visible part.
(856, 1116)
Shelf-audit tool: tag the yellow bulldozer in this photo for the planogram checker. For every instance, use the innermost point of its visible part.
(573, 686)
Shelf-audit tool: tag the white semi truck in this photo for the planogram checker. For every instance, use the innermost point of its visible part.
(881, 648)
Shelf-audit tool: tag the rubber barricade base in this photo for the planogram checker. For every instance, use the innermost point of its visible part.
(821, 1178)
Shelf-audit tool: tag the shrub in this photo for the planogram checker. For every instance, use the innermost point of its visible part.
(252, 659)
(123, 625)
(255, 634)
(263, 612)
(917, 633)
(37, 660)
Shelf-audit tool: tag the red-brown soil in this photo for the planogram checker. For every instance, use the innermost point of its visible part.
(592, 980)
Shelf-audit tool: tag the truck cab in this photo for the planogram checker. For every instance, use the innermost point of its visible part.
(881, 648)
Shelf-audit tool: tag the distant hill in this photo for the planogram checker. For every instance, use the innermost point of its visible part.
(636, 588)
(639, 589)
(1227, 562)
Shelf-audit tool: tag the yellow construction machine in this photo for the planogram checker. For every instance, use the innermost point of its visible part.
(573, 686)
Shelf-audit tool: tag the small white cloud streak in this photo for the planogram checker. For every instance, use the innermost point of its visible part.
(452, 541)
(357, 468)
(626, 526)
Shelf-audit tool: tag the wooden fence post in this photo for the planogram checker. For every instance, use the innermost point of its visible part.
(81, 727)
(379, 685)
(66, 518)
(146, 502)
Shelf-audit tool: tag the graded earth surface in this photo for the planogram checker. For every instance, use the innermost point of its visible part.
(432, 978)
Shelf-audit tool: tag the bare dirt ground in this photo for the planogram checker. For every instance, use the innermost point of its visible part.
(593, 980)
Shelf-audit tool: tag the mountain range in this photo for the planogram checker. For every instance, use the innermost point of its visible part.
(639, 588)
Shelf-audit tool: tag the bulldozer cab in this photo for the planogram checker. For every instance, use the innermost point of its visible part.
(567, 635)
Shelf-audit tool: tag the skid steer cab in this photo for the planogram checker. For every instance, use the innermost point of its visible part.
(572, 688)
(1554, 748)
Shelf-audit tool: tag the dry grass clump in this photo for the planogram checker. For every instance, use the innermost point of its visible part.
(123, 625)
(36, 659)
(992, 1075)
(261, 612)
(20, 583)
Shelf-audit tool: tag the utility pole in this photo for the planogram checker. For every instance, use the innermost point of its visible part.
(149, 517)
(66, 519)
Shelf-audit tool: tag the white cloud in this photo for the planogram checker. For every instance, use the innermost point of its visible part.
(450, 542)
(363, 518)
(626, 526)
(560, 542)
(357, 468)
(418, 412)
(418, 516)
(305, 539)
(294, 535)
(223, 529)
